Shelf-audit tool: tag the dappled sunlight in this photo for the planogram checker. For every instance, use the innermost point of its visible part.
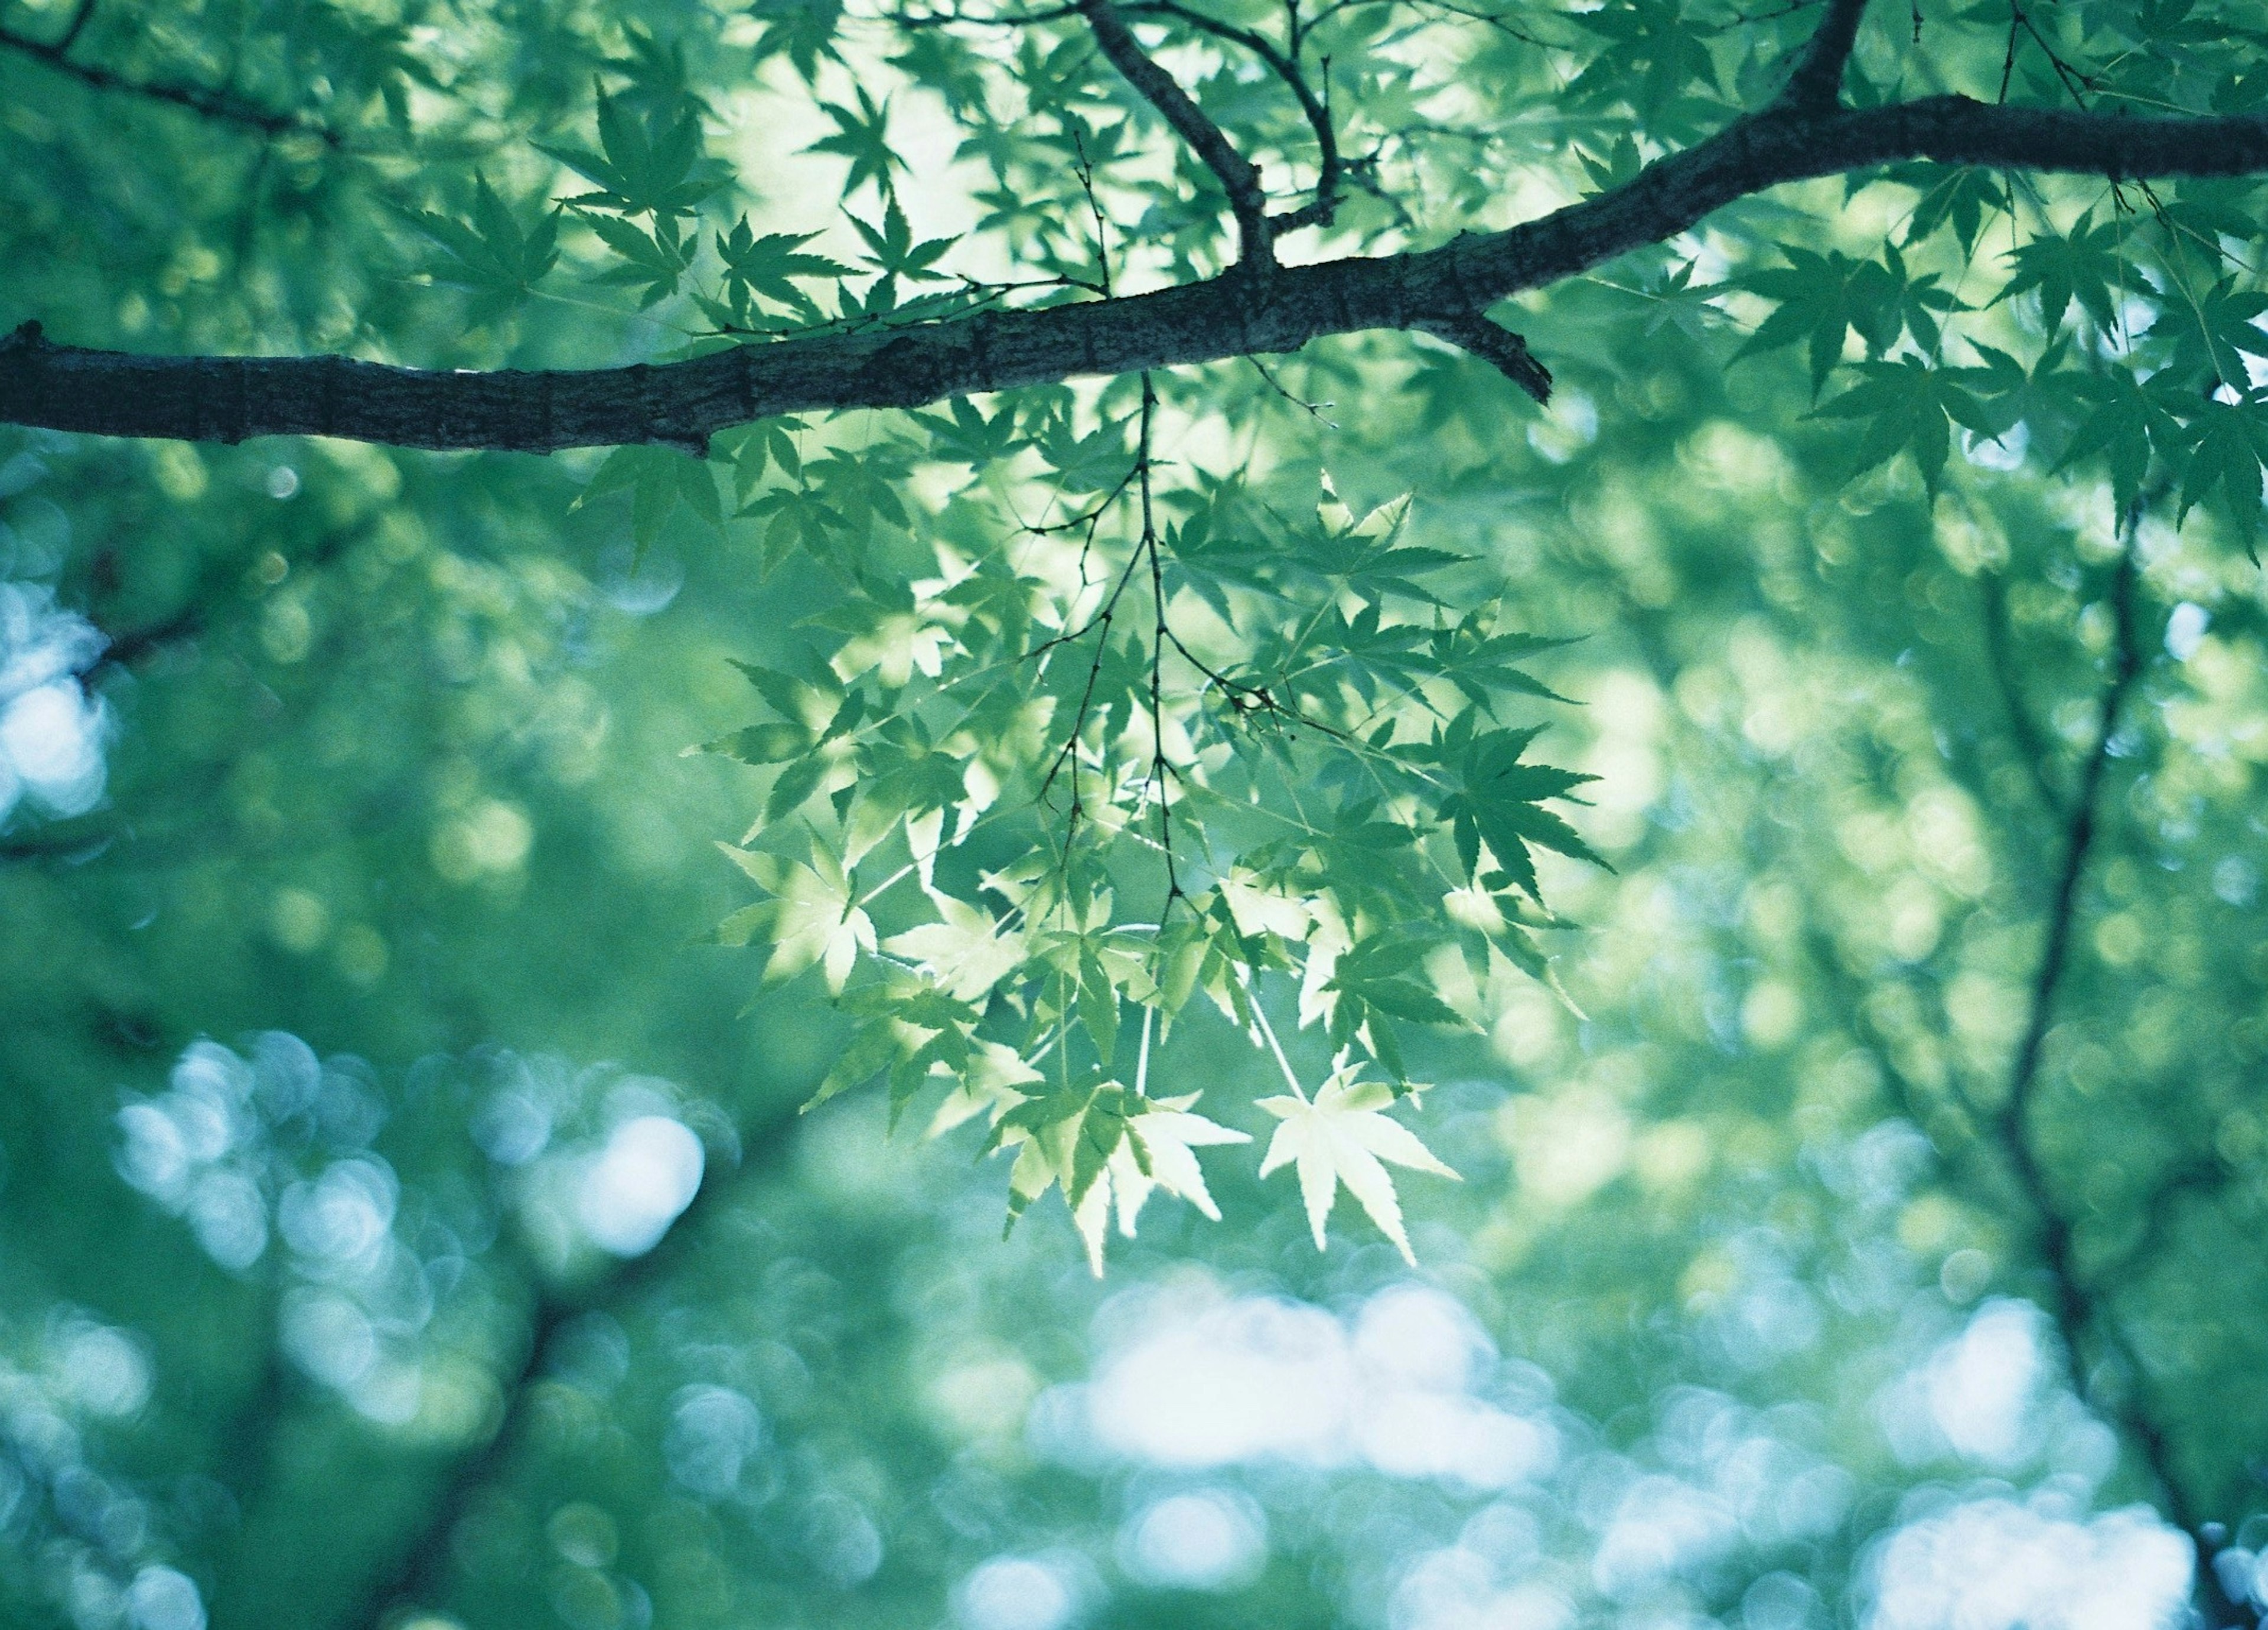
(1215, 1381)
(1999, 1564)
(52, 732)
(970, 816)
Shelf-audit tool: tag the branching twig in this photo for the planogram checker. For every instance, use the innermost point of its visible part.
(2079, 840)
(1285, 65)
(2079, 1308)
(419, 1573)
(2030, 746)
(1320, 210)
(1159, 771)
(1256, 248)
(80, 15)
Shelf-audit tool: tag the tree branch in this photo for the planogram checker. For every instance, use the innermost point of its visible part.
(1817, 81)
(81, 15)
(231, 398)
(2078, 1307)
(2063, 912)
(419, 1573)
(1320, 210)
(2030, 746)
(1501, 349)
(211, 104)
(1331, 165)
(1256, 247)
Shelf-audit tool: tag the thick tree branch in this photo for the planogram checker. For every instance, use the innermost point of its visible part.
(211, 104)
(227, 399)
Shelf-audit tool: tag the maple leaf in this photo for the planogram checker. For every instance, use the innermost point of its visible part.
(815, 918)
(1339, 1137)
(995, 1080)
(967, 954)
(863, 136)
(1156, 1155)
(1152, 1154)
(1909, 404)
(1101, 1143)
(1259, 909)
(646, 168)
(2089, 266)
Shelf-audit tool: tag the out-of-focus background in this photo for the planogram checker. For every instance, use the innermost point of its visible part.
(405, 1220)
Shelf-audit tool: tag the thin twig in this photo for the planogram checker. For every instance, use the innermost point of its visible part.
(418, 1574)
(1159, 771)
(2030, 746)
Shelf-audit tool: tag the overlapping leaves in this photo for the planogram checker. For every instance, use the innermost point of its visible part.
(1048, 812)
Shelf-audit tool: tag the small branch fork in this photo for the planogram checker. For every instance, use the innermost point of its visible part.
(1247, 704)
(1442, 291)
(1157, 779)
(1255, 239)
(1148, 550)
(1988, 1151)
(417, 1574)
(1331, 167)
(1256, 229)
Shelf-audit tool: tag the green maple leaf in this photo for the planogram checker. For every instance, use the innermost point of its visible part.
(2126, 419)
(862, 135)
(1961, 197)
(656, 259)
(803, 30)
(1339, 1137)
(1910, 407)
(2088, 265)
(768, 266)
(2214, 336)
(644, 166)
(2228, 446)
(490, 255)
(1497, 799)
(660, 480)
(892, 249)
(1824, 297)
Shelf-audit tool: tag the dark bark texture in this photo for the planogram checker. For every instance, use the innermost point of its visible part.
(228, 399)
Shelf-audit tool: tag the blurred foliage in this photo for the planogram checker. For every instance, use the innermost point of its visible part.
(402, 1222)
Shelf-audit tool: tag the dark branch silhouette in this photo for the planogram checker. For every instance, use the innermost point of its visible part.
(230, 398)
(1254, 239)
(1817, 80)
(2077, 1302)
(201, 99)
(418, 1576)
